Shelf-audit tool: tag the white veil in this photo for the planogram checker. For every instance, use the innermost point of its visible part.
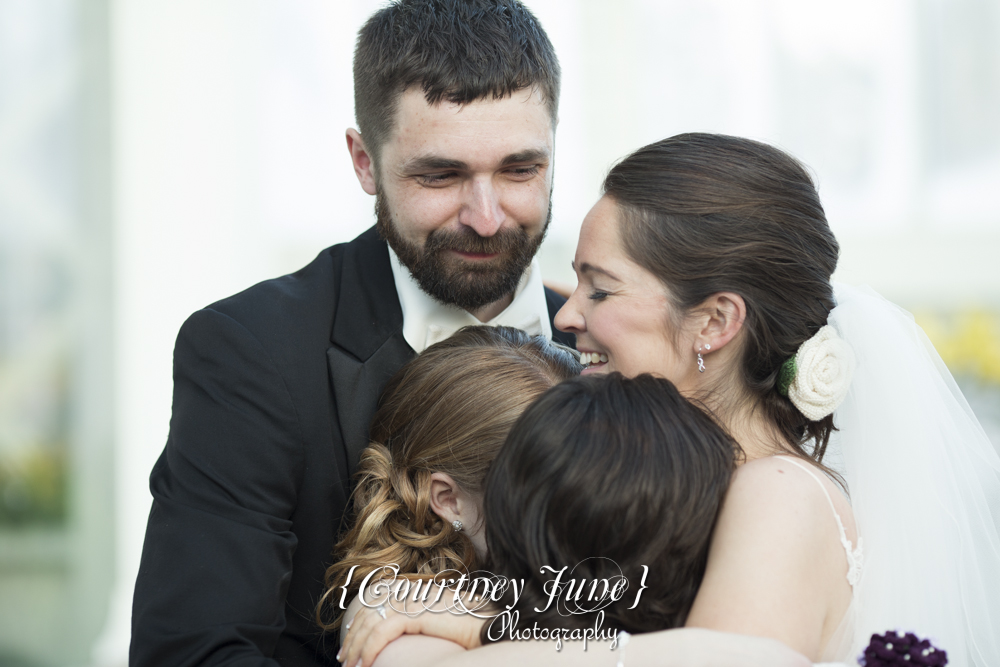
(924, 482)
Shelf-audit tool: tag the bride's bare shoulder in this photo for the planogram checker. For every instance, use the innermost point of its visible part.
(781, 472)
(776, 493)
(774, 558)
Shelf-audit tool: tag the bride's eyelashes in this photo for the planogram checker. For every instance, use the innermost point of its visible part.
(598, 295)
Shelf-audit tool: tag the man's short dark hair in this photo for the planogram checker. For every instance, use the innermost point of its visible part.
(458, 51)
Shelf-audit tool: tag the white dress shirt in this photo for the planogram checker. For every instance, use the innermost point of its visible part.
(426, 321)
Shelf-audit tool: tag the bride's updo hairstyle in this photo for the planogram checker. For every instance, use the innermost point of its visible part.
(604, 475)
(448, 410)
(710, 213)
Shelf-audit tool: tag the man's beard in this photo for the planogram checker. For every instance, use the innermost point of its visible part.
(451, 280)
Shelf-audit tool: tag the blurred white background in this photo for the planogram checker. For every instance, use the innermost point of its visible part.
(157, 155)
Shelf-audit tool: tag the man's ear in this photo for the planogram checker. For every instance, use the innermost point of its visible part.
(720, 317)
(445, 501)
(363, 165)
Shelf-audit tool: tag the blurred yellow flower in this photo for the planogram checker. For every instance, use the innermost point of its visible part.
(968, 341)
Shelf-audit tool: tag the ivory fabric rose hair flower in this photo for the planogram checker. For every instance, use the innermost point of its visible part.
(819, 375)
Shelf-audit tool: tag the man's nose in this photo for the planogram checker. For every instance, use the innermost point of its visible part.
(482, 210)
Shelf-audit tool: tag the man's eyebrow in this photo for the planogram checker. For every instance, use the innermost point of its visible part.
(528, 155)
(431, 163)
(590, 268)
(435, 163)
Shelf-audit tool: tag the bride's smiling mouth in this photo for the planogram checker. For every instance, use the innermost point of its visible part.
(593, 361)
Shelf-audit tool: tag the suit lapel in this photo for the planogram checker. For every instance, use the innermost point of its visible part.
(367, 342)
(554, 302)
(357, 386)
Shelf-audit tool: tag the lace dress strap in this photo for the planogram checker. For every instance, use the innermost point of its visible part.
(854, 556)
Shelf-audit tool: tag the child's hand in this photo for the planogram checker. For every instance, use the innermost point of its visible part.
(370, 632)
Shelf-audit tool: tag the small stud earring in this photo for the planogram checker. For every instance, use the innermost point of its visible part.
(707, 346)
(457, 525)
(701, 362)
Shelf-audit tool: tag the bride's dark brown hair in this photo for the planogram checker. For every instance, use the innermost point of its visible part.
(709, 213)
(448, 410)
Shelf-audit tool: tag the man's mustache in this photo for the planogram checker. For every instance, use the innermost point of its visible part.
(506, 240)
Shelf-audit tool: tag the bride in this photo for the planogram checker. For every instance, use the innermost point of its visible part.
(708, 262)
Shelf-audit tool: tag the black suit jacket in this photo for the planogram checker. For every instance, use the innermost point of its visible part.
(274, 389)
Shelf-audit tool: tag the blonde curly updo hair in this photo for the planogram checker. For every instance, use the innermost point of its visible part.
(449, 410)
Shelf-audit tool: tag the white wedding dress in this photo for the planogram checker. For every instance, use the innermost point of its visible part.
(838, 648)
(924, 484)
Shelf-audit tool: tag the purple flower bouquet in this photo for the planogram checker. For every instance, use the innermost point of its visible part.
(895, 649)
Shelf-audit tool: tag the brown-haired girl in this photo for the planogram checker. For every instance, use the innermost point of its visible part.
(439, 424)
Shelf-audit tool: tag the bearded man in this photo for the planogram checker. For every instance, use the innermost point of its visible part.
(274, 387)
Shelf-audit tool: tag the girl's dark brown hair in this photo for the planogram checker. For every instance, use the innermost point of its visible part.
(449, 410)
(606, 474)
(710, 213)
